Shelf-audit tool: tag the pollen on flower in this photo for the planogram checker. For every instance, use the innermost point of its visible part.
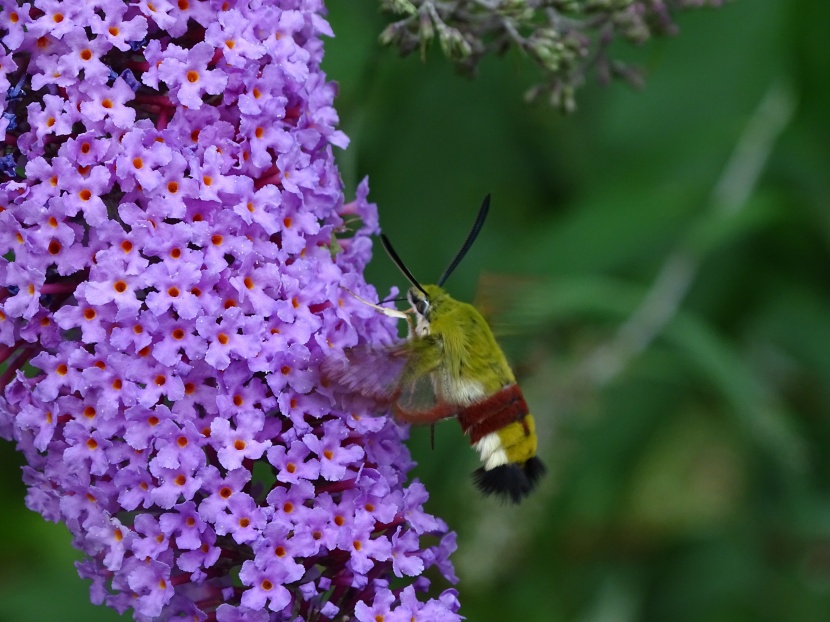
(92, 444)
(89, 412)
(160, 380)
(62, 369)
(120, 286)
(54, 247)
(180, 480)
(90, 314)
(126, 246)
(266, 585)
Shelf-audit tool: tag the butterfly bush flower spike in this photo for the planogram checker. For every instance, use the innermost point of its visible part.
(174, 245)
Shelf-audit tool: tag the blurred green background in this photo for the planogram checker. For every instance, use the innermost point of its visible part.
(661, 258)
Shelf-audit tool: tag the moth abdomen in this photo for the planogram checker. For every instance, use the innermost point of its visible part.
(504, 433)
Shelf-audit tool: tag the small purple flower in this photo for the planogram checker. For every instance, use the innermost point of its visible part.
(169, 278)
(186, 74)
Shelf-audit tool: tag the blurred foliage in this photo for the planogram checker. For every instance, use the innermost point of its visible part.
(675, 350)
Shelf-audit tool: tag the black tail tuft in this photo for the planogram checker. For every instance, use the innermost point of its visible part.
(534, 470)
(510, 481)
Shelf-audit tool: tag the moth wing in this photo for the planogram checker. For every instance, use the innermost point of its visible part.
(372, 371)
(514, 304)
(418, 404)
(388, 376)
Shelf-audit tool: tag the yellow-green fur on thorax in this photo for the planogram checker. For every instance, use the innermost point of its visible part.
(470, 361)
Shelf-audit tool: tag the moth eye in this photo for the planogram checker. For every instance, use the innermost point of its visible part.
(421, 306)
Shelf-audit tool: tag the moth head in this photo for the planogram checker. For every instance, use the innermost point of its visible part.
(420, 302)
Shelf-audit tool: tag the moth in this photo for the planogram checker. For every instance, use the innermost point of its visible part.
(451, 366)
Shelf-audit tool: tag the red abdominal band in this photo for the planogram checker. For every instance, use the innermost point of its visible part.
(493, 413)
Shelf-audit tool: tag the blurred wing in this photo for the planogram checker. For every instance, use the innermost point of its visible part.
(386, 375)
(422, 407)
(509, 303)
(373, 372)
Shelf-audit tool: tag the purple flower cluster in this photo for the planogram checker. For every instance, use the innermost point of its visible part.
(173, 250)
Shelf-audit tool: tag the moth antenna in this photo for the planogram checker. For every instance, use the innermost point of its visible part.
(387, 245)
(471, 237)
